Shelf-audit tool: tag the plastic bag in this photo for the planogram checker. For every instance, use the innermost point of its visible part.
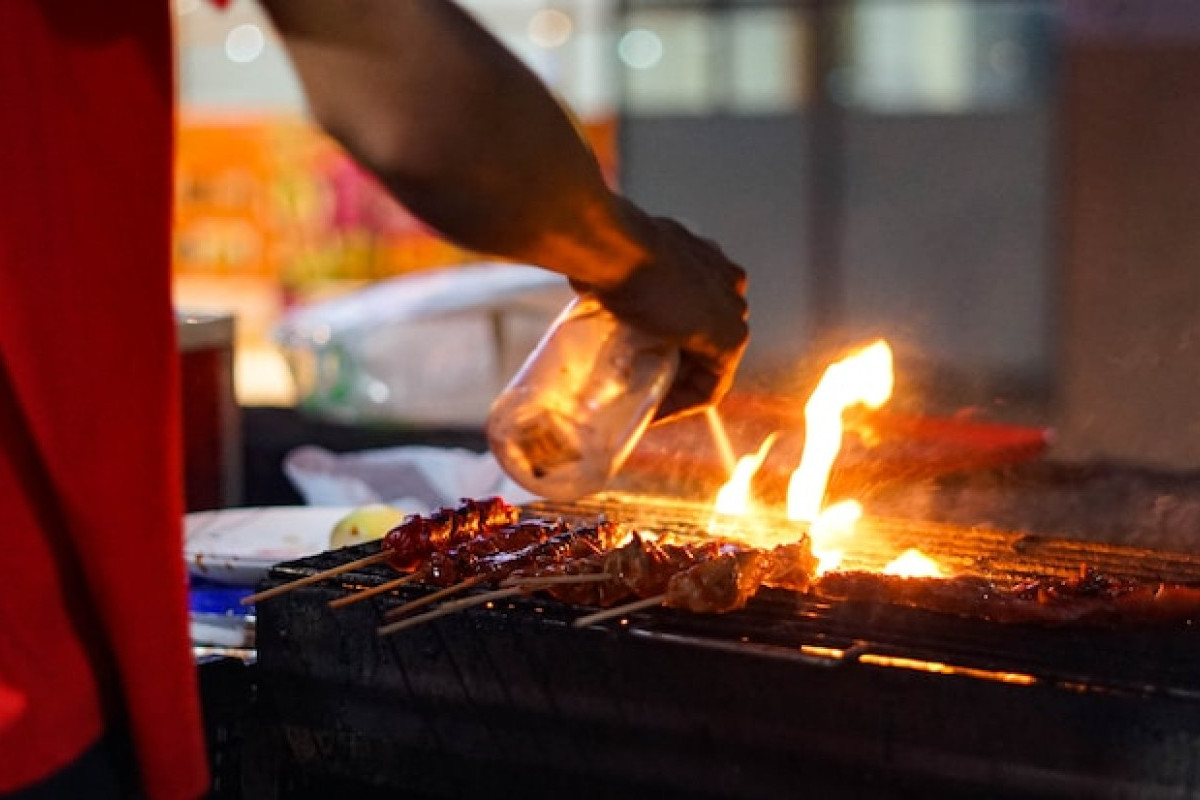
(418, 478)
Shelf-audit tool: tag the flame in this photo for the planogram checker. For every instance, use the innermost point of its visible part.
(643, 533)
(863, 377)
(912, 563)
(829, 532)
(734, 496)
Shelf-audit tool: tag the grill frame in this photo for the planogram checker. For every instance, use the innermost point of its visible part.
(789, 692)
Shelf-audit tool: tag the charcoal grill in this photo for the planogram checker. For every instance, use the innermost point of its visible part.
(791, 696)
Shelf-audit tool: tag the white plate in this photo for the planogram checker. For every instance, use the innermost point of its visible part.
(239, 545)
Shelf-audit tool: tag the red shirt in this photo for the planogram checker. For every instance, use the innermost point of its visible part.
(93, 624)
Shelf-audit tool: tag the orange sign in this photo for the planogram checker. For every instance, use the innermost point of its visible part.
(273, 197)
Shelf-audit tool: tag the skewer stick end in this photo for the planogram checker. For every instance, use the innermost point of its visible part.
(619, 611)
(316, 577)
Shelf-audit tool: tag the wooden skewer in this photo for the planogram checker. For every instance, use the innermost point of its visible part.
(314, 578)
(342, 602)
(536, 582)
(450, 608)
(421, 602)
(619, 611)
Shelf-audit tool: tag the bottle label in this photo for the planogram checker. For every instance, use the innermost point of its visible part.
(547, 446)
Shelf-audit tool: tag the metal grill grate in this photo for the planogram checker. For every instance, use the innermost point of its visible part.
(847, 700)
(1159, 660)
(1002, 556)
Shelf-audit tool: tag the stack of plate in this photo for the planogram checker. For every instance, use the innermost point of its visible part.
(228, 551)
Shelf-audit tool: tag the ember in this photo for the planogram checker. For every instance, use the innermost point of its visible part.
(914, 564)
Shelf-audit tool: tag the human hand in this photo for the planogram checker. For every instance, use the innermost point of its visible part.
(687, 291)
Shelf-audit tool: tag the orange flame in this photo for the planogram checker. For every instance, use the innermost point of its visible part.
(734, 496)
(831, 531)
(863, 377)
(912, 563)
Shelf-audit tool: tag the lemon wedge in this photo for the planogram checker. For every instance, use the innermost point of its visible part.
(365, 524)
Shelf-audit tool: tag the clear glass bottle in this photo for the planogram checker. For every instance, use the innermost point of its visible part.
(569, 418)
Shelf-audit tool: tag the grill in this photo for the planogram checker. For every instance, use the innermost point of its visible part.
(790, 696)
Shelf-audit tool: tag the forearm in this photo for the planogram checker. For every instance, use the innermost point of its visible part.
(459, 130)
(472, 143)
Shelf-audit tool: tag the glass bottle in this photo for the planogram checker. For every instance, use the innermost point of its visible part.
(570, 416)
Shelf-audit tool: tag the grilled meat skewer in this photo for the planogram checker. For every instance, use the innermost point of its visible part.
(1089, 598)
(710, 576)
(408, 543)
(417, 537)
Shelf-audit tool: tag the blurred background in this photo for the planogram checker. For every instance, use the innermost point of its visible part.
(1006, 190)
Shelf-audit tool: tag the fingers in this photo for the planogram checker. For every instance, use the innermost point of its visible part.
(693, 390)
(689, 292)
(699, 383)
(705, 251)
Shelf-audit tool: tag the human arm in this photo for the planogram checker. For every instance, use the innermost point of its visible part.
(472, 142)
